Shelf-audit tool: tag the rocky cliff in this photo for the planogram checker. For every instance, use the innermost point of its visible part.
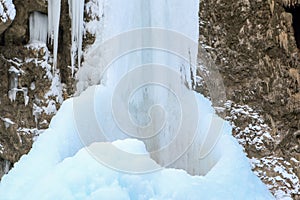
(255, 45)
(31, 91)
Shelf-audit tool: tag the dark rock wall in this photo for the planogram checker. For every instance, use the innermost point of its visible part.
(16, 139)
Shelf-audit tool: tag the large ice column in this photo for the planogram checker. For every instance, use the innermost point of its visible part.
(53, 26)
(38, 24)
(177, 28)
(76, 10)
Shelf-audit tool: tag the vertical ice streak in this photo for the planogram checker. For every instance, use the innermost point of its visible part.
(178, 16)
(53, 26)
(76, 10)
(38, 24)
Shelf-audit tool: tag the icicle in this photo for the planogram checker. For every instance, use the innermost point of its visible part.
(76, 10)
(7, 165)
(13, 82)
(38, 24)
(53, 26)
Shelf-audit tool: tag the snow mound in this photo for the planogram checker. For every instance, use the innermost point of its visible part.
(59, 167)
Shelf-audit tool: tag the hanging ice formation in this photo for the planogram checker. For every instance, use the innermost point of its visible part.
(53, 26)
(38, 24)
(13, 85)
(76, 9)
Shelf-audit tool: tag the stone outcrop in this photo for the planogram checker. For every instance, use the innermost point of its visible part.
(255, 44)
(27, 69)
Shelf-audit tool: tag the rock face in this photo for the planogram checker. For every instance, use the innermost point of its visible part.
(31, 91)
(256, 45)
(7, 14)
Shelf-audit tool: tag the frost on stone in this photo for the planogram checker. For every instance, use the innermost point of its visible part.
(14, 74)
(256, 136)
(278, 174)
(53, 96)
(7, 122)
(12, 94)
(1, 149)
(55, 89)
(32, 86)
(7, 10)
(255, 133)
(29, 131)
(95, 11)
(36, 112)
(50, 108)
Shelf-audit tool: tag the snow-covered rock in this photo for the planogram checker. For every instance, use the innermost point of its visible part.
(7, 14)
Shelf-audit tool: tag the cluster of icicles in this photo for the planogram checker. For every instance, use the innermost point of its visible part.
(40, 23)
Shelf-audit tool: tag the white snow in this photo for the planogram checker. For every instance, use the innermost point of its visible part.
(95, 11)
(282, 179)
(133, 146)
(7, 10)
(12, 94)
(51, 107)
(32, 86)
(76, 10)
(54, 95)
(38, 25)
(55, 89)
(276, 172)
(1, 149)
(53, 26)
(29, 131)
(7, 122)
(36, 112)
(12, 69)
(14, 74)
(59, 167)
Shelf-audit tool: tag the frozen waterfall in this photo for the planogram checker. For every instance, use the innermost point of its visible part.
(152, 33)
(135, 129)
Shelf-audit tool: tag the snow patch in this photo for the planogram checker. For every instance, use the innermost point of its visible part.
(7, 122)
(7, 10)
(67, 170)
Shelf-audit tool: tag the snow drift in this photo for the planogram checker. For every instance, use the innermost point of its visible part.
(59, 167)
